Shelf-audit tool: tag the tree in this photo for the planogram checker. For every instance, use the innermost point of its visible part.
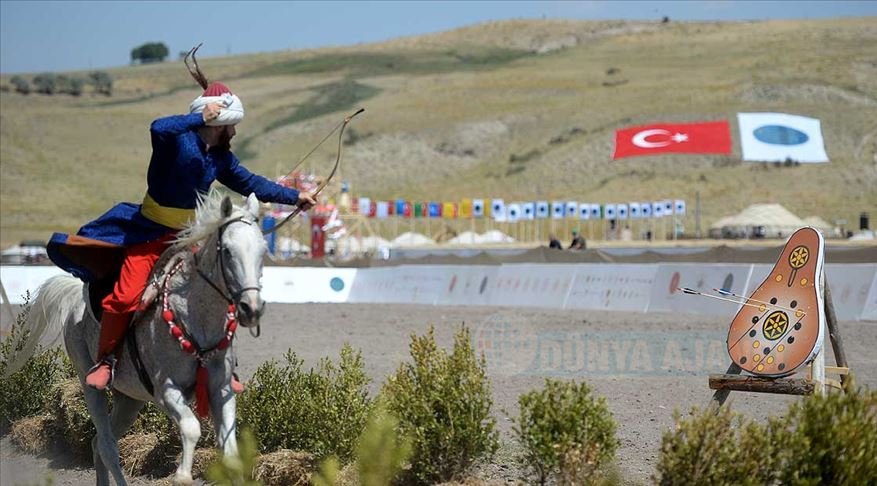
(21, 84)
(149, 52)
(102, 81)
(45, 83)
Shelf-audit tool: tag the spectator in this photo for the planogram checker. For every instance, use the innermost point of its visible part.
(578, 241)
(554, 243)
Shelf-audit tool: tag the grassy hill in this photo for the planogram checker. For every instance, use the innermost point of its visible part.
(517, 109)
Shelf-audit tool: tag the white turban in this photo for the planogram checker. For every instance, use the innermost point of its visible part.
(232, 111)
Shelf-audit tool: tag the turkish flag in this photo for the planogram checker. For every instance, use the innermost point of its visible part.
(680, 138)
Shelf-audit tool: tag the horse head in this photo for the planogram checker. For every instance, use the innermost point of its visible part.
(240, 252)
(230, 252)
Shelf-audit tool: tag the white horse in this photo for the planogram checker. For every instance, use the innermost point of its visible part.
(209, 282)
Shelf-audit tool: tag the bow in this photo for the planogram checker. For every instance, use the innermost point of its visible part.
(325, 182)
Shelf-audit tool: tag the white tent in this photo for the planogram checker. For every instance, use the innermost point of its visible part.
(821, 225)
(412, 239)
(375, 243)
(496, 236)
(466, 238)
(759, 221)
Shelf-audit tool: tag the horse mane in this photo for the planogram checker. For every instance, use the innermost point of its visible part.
(208, 218)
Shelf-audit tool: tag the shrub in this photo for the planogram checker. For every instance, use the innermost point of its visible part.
(45, 83)
(321, 411)
(72, 420)
(565, 432)
(821, 440)
(240, 470)
(380, 455)
(717, 448)
(102, 81)
(834, 438)
(443, 404)
(26, 392)
(21, 85)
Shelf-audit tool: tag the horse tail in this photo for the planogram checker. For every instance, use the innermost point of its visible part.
(58, 301)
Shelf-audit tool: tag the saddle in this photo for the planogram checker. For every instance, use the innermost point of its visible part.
(780, 327)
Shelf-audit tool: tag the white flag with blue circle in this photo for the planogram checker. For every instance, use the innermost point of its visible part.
(645, 209)
(514, 212)
(572, 209)
(621, 211)
(542, 209)
(558, 209)
(529, 209)
(595, 211)
(778, 137)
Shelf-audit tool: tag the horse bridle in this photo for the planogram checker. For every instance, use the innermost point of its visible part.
(234, 296)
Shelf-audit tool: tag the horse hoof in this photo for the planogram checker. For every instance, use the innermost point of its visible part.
(180, 480)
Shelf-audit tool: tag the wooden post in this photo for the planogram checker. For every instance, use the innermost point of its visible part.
(817, 372)
(840, 356)
(720, 396)
(760, 384)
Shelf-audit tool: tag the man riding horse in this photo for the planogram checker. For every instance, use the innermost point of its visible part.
(189, 152)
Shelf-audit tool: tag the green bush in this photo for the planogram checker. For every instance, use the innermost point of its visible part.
(821, 440)
(26, 392)
(380, 454)
(102, 82)
(320, 411)
(443, 403)
(718, 448)
(46, 83)
(566, 432)
(240, 470)
(21, 85)
(831, 440)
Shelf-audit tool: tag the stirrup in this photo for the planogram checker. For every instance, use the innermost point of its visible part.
(109, 360)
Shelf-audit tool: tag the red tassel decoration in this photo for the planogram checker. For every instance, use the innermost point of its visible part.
(202, 401)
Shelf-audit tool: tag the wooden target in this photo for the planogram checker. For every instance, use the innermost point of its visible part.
(780, 328)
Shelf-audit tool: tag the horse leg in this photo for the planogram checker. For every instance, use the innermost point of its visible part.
(125, 411)
(104, 445)
(222, 408)
(174, 403)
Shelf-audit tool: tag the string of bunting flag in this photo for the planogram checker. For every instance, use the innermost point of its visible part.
(500, 211)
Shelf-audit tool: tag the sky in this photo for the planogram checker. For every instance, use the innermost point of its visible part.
(38, 36)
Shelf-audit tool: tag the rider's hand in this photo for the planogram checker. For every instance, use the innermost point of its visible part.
(211, 112)
(306, 201)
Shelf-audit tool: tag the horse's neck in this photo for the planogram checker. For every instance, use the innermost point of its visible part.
(199, 307)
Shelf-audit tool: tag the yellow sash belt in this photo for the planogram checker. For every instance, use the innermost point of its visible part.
(175, 218)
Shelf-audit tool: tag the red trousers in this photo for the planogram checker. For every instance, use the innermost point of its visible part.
(139, 260)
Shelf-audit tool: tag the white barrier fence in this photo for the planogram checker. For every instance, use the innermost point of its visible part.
(624, 287)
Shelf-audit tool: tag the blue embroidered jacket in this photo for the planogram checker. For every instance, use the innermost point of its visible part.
(180, 169)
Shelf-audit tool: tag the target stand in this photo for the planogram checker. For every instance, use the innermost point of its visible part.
(814, 383)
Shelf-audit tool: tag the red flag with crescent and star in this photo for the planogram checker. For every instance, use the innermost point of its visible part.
(680, 138)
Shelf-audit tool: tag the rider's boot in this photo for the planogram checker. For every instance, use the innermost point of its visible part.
(112, 330)
(236, 385)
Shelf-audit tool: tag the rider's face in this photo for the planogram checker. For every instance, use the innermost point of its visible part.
(224, 136)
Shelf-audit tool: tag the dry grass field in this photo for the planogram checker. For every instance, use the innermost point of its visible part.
(519, 110)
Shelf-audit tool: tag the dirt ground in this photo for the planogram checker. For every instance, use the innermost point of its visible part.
(646, 365)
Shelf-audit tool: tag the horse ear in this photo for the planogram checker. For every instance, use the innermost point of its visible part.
(253, 205)
(226, 207)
